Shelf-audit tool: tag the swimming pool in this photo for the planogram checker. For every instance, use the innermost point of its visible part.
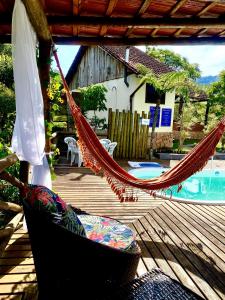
(207, 186)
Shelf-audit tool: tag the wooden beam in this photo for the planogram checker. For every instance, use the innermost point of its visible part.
(38, 19)
(166, 22)
(178, 32)
(125, 41)
(129, 31)
(10, 206)
(88, 41)
(154, 32)
(76, 8)
(110, 8)
(201, 32)
(221, 33)
(44, 73)
(206, 8)
(11, 179)
(144, 7)
(76, 4)
(176, 7)
(8, 161)
(103, 30)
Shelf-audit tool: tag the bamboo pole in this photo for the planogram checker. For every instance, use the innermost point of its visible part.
(131, 135)
(112, 126)
(6, 233)
(116, 129)
(122, 134)
(144, 138)
(116, 126)
(10, 206)
(141, 136)
(109, 122)
(134, 135)
(137, 136)
(125, 134)
(128, 134)
(119, 135)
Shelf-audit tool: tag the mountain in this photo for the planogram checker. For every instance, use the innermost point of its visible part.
(207, 79)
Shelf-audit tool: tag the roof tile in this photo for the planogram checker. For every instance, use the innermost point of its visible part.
(137, 56)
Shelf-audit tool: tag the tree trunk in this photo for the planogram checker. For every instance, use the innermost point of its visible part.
(157, 108)
(181, 140)
(207, 113)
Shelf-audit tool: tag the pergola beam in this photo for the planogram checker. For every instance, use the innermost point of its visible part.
(144, 7)
(150, 23)
(176, 7)
(88, 41)
(206, 8)
(38, 19)
(166, 22)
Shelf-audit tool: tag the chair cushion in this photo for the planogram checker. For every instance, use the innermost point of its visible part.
(42, 199)
(109, 232)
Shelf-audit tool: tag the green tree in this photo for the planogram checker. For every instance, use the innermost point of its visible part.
(6, 66)
(93, 98)
(217, 104)
(175, 61)
(7, 95)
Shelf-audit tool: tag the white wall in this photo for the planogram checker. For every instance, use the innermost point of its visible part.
(118, 97)
(139, 105)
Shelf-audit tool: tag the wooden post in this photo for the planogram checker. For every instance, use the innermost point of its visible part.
(119, 135)
(207, 113)
(137, 136)
(131, 135)
(109, 123)
(44, 73)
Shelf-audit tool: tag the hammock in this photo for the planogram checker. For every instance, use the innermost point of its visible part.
(124, 184)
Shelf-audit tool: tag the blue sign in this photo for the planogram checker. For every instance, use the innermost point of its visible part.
(152, 113)
(166, 117)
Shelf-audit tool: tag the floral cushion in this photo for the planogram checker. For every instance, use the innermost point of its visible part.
(109, 232)
(42, 199)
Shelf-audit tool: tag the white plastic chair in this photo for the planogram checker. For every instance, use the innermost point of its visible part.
(111, 148)
(105, 143)
(73, 150)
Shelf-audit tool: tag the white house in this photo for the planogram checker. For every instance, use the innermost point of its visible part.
(115, 68)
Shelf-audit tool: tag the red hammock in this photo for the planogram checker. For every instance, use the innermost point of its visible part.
(124, 184)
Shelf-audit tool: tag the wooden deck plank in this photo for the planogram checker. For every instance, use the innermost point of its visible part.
(12, 296)
(186, 241)
(201, 214)
(195, 265)
(183, 228)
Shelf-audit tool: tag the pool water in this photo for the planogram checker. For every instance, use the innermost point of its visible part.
(207, 185)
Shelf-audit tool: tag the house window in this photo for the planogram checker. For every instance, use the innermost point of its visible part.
(151, 96)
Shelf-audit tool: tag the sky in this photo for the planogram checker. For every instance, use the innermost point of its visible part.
(211, 59)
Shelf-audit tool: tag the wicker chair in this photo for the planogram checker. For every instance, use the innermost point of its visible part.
(68, 264)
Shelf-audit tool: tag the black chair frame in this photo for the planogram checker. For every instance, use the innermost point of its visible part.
(68, 265)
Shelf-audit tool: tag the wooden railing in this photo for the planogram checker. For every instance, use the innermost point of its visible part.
(132, 138)
(8, 230)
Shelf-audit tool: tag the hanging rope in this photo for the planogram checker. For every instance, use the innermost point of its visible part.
(124, 184)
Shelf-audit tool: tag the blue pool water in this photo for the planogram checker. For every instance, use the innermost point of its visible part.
(207, 185)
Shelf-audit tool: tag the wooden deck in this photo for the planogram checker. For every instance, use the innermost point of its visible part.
(186, 241)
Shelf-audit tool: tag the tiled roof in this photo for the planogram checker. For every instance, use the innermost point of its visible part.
(137, 56)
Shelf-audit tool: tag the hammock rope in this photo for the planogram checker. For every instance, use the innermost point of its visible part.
(122, 183)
